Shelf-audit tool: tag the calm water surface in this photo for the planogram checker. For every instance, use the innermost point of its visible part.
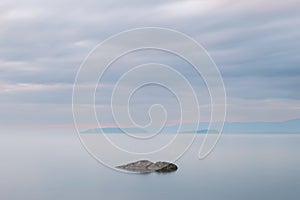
(242, 167)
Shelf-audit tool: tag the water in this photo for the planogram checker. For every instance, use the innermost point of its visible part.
(241, 167)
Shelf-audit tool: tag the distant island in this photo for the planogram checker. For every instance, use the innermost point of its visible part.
(285, 127)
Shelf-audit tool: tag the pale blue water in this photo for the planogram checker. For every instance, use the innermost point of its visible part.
(242, 167)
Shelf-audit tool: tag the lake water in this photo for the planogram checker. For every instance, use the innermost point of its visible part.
(241, 167)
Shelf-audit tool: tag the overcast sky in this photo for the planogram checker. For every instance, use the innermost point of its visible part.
(255, 45)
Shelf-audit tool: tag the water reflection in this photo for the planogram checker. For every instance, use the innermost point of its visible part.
(241, 167)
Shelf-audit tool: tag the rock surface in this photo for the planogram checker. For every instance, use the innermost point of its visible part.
(146, 166)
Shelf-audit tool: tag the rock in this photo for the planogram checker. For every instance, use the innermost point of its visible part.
(146, 166)
(170, 167)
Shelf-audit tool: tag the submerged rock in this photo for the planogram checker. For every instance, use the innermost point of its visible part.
(146, 166)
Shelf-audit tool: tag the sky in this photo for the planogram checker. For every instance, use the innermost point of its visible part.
(255, 45)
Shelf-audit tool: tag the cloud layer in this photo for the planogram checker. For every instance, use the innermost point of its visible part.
(255, 44)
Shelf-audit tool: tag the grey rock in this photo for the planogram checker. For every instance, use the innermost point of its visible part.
(146, 166)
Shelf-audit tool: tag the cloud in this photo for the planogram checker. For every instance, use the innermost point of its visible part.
(24, 93)
(254, 43)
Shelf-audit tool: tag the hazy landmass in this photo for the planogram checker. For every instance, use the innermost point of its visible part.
(286, 127)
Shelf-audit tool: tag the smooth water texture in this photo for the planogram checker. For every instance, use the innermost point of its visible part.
(241, 167)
